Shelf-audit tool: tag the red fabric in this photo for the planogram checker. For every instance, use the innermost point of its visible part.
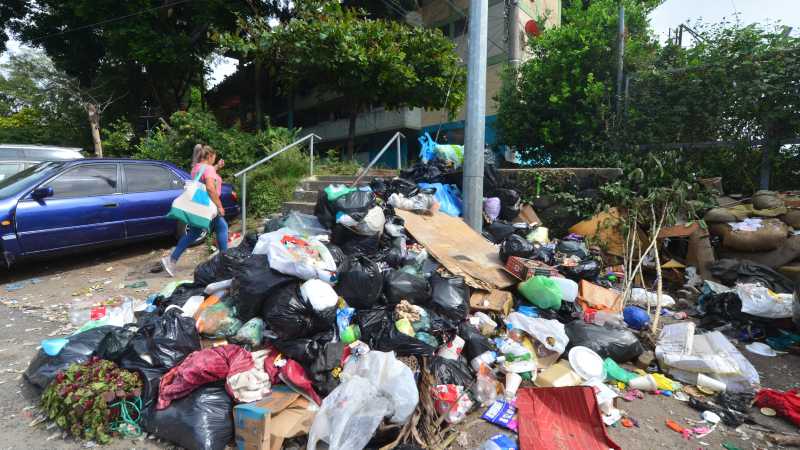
(291, 374)
(785, 403)
(559, 418)
(202, 367)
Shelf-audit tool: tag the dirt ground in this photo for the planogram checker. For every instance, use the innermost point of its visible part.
(39, 309)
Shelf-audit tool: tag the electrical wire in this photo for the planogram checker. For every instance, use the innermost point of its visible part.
(114, 19)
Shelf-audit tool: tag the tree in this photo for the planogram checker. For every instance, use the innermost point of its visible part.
(366, 61)
(32, 110)
(152, 49)
(559, 106)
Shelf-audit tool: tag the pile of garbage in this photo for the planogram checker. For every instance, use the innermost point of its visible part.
(383, 319)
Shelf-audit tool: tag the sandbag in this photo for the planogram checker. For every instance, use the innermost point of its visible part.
(450, 296)
(767, 200)
(619, 344)
(252, 285)
(719, 215)
(399, 285)
(201, 421)
(516, 245)
(361, 282)
(290, 317)
(792, 218)
(771, 235)
(779, 257)
(43, 368)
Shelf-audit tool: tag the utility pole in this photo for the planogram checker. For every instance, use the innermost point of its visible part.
(476, 110)
(514, 47)
(620, 57)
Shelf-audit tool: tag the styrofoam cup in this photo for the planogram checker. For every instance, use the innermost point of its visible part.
(513, 381)
(643, 383)
(710, 383)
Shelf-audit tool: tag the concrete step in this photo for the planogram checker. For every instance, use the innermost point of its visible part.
(302, 207)
(302, 195)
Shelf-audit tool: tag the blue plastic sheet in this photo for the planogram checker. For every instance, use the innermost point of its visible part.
(448, 196)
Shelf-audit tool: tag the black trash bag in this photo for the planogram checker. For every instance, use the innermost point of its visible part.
(221, 267)
(475, 343)
(361, 283)
(252, 285)
(585, 270)
(113, 346)
(201, 421)
(208, 271)
(728, 406)
(491, 180)
(338, 256)
(378, 331)
(179, 296)
(422, 173)
(451, 371)
(82, 346)
(568, 312)
(379, 187)
(249, 241)
(498, 231)
(274, 224)
(442, 327)
(358, 201)
(324, 210)
(303, 350)
(619, 344)
(732, 271)
(398, 285)
(573, 248)
(291, 317)
(320, 370)
(544, 254)
(403, 186)
(509, 203)
(353, 243)
(516, 245)
(450, 296)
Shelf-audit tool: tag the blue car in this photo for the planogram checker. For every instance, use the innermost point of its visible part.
(62, 206)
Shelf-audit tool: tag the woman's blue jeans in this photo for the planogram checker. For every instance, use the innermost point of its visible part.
(218, 225)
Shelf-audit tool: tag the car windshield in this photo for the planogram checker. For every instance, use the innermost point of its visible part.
(24, 179)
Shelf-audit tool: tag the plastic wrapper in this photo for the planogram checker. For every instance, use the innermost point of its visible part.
(201, 421)
(619, 344)
(449, 402)
(305, 224)
(251, 333)
(399, 285)
(393, 379)
(451, 371)
(360, 283)
(516, 245)
(371, 224)
(422, 202)
(491, 207)
(290, 317)
(218, 321)
(450, 296)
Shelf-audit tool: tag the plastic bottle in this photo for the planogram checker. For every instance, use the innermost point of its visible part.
(486, 390)
(488, 358)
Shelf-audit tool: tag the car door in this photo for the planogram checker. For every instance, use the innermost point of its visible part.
(83, 210)
(149, 192)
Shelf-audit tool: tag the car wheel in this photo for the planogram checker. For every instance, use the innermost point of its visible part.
(183, 229)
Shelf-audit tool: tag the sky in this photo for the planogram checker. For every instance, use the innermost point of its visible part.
(667, 16)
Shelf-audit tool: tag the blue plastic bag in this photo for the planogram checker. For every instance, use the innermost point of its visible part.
(427, 150)
(448, 196)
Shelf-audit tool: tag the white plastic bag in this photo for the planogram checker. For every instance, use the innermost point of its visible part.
(370, 225)
(218, 286)
(762, 302)
(549, 332)
(392, 378)
(643, 297)
(290, 254)
(320, 294)
(349, 416)
(192, 304)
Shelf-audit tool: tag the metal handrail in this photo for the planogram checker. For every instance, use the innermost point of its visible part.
(395, 137)
(243, 172)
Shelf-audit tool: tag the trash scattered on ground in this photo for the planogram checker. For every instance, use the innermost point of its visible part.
(384, 319)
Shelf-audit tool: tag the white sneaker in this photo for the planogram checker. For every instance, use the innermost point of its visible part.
(168, 265)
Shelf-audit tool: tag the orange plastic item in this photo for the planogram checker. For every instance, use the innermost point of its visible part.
(627, 423)
(210, 300)
(672, 425)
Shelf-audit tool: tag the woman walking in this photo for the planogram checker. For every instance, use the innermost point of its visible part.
(206, 166)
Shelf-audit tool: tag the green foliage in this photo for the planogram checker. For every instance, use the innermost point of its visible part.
(33, 110)
(118, 138)
(333, 164)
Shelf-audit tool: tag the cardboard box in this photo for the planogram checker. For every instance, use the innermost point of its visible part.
(265, 424)
(493, 301)
(522, 268)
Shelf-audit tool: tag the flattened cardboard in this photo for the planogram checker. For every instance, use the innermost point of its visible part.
(493, 301)
(527, 215)
(265, 424)
(459, 249)
(598, 297)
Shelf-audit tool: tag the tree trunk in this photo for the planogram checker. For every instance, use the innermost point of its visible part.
(94, 123)
(766, 164)
(257, 92)
(351, 137)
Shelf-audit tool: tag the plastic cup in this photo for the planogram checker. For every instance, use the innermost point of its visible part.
(513, 381)
(644, 383)
(710, 383)
(452, 349)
